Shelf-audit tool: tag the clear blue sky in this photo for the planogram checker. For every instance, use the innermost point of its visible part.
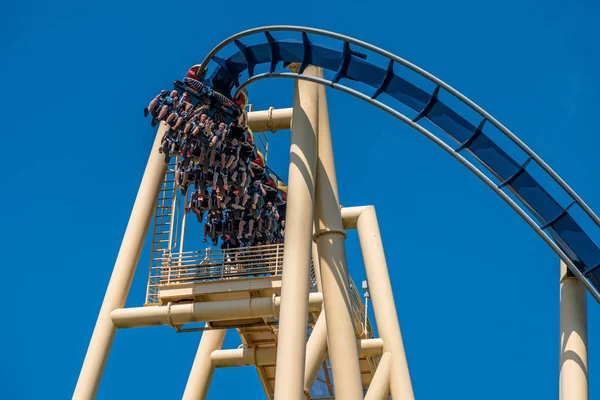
(476, 289)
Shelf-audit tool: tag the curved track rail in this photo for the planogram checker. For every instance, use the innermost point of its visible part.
(551, 220)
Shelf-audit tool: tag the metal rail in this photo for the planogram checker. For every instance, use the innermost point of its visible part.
(423, 73)
(449, 150)
(539, 229)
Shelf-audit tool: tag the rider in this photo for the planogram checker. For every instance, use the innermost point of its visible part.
(229, 154)
(254, 192)
(156, 102)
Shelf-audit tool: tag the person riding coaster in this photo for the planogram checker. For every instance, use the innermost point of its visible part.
(161, 106)
(211, 127)
(217, 104)
(196, 93)
(229, 154)
(169, 144)
(204, 139)
(181, 111)
(198, 203)
(270, 215)
(194, 127)
(234, 108)
(239, 174)
(218, 132)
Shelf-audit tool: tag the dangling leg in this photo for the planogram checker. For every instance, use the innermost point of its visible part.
(241, 229)
(163, 112)
(153, 104)
(198, 214)
(250, 228)
(224, 173)
(215, 178)
(245, 200)
(213, 154)
(226, 200)
(177, 177)
(230, 162)
(206, 227)
(178, 123)
(201, 158)
(171, 118)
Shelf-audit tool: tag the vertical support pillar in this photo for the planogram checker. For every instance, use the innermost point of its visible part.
(573, 338)
(330, 236)
(203, 368)
(123, 271)
(384, 307)
(295, 280)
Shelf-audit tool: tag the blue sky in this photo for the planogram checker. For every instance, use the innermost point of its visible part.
(476, 289)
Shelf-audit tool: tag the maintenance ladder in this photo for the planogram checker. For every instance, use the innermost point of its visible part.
(164, 230)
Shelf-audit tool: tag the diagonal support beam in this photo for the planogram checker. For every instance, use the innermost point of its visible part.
(316, 352)
(379, 389)
(203, 368)
(123, 272)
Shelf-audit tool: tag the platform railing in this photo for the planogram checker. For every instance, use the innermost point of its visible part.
(174, 268)
(199, 266)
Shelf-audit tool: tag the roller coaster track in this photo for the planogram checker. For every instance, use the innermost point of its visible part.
(551, 219)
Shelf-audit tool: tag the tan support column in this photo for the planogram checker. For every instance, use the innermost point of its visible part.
(203, 368)
(330, 237)
(295, 280)
(382, 296)
(123, 271)
(573, 338)
(379, 389)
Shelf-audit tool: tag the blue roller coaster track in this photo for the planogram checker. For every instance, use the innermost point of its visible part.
(515, 182)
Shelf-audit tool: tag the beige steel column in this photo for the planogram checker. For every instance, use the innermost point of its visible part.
(382, 297)
(573, 338)
(293, 317)
(123, 271)
(379, 389)
(203, 368)
(330, 236)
